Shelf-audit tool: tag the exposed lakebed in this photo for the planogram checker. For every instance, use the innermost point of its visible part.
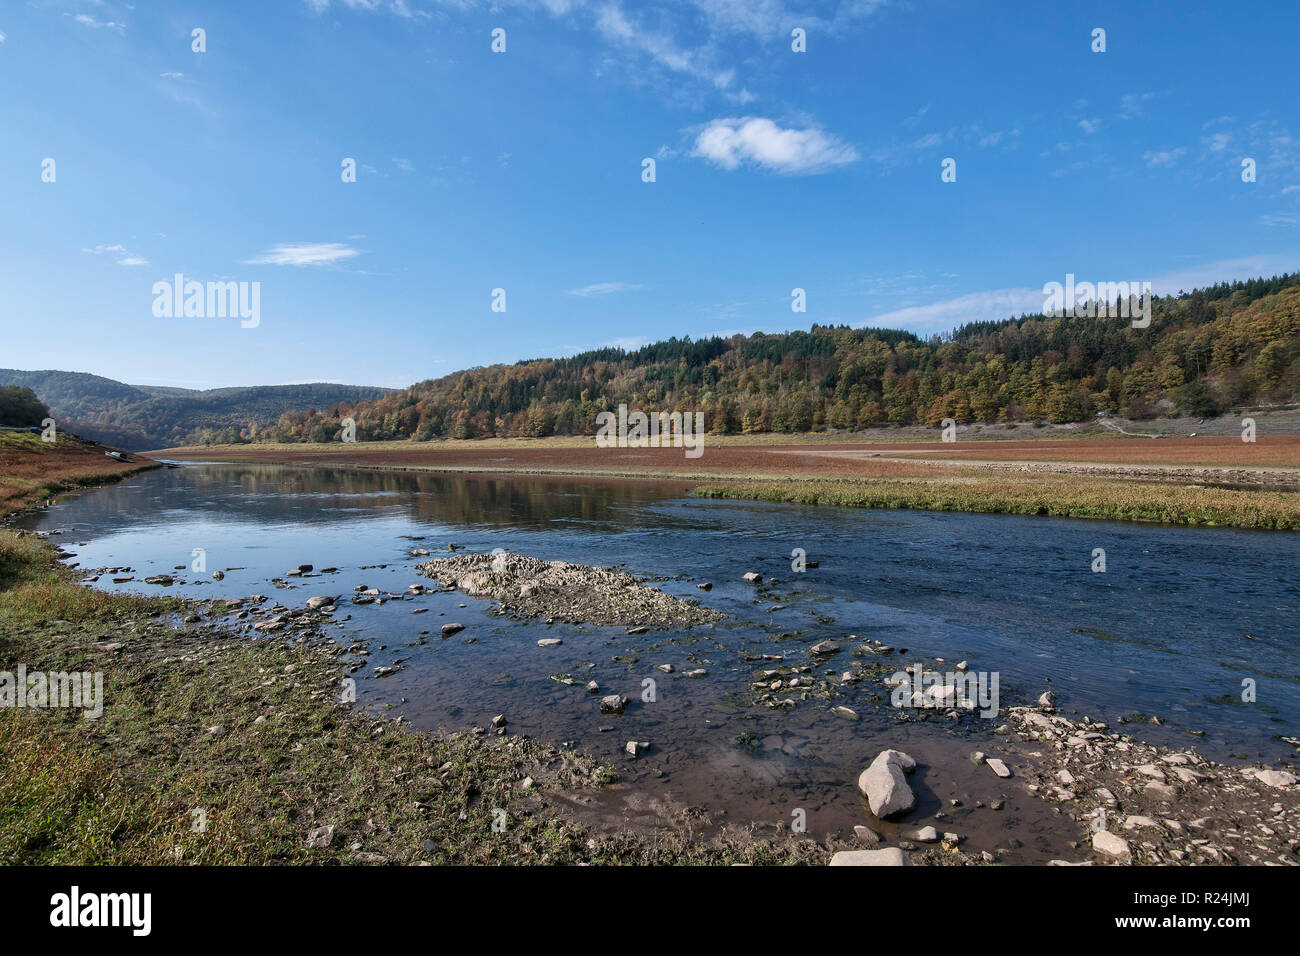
(1173, 626)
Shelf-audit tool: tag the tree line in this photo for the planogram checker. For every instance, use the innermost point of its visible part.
(1204, 352)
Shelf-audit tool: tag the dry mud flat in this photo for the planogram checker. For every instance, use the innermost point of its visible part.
(828, 459)
(559, 590)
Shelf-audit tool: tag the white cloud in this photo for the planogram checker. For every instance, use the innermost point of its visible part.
(604, 288)
(405, 165)
(1218, 142)
(305, 254)
(3, 38)
(396, 7)
(998, 304)
(119, 253)
(1166, 157)
(761, 142)
(171, 75)
(1133, 105)
(613, 24)
(916, 117)
(949, 314)
(86, 20)
(628, 344)
(1222, 270)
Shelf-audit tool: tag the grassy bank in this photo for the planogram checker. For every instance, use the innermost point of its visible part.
(247, 738)
(32, 470)
(1067, 496)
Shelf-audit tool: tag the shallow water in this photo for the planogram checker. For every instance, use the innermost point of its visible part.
(1177, 621)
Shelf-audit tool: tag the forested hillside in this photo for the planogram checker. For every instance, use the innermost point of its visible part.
(1204, 352)
(145, 416)
(19, 407)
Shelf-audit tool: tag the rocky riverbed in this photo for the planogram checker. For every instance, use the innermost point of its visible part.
(1144, 804)
(1132, 802)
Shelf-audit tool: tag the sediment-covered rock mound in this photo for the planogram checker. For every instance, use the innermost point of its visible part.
(577, 593)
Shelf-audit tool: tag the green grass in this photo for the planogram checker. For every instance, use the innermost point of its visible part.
(1068, 496)
(124, 788)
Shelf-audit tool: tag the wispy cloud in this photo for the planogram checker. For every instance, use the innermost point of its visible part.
(761, 142)
(951, 313)
(1165, 157)
(1133, 105)
(305, 254)
(604, 288)
(630, 344)
(120, 253)
(998, 304)
(398, 8)
(86, 20)
(615, 26)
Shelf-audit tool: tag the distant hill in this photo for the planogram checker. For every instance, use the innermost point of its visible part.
(1227, 346)
(140, 417)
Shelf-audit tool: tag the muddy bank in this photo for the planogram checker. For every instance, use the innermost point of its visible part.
(33, 470)
(527, 587)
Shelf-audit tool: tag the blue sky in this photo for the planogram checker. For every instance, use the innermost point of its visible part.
(522, 171)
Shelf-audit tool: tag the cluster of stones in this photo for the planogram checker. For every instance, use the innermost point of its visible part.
(1146, 804)
(560, 590)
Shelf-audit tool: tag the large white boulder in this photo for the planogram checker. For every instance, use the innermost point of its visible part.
(884, 785)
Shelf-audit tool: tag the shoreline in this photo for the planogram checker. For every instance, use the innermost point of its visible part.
(32, 470)
(254, 734)
(1062, 483)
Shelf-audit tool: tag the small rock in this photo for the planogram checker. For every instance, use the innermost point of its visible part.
(889, 856)
(998, 767)
(866, 835)
(1276, 778)
(1109, 845)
